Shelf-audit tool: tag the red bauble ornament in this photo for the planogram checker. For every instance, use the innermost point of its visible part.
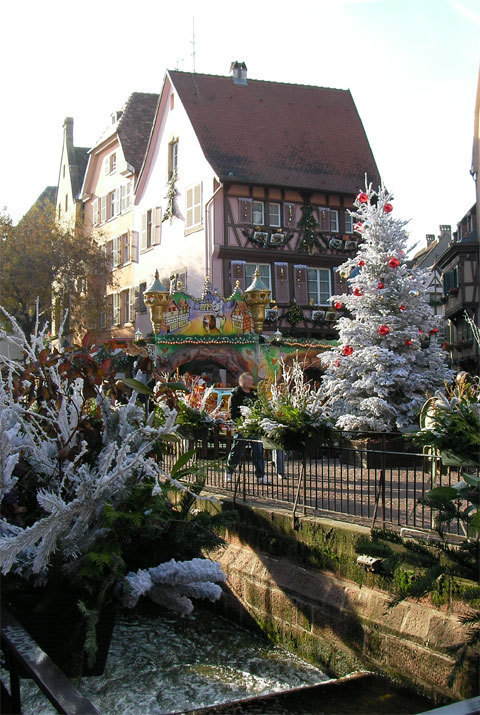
(420, 330)
(383, 329)
(433, 331)
(402, 307)
(357, 292)
(380, 285)
(338, 305)
(408, 342)
(388, 208)
(394, 262)
(361, 263)
(358, 227)
(337, 363)
(362, 198)
(347, 350)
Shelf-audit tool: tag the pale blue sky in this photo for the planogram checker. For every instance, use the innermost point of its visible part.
(412, 67)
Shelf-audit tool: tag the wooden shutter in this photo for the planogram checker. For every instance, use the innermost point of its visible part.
(116, 202)
(137, 299)
(143, 233)
(131, 305)
(300, 283)
(106, 164)
(237, 269)
(95, 220)
(324, 219)
(103, 208)
(110, 309)
(133, 241)
(282, 284)
(245, 211)
(157, 226)
(122, 190)
(128, 195)
(289, 218)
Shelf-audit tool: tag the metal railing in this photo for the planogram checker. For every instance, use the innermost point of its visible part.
(24, 658)
(368, 478)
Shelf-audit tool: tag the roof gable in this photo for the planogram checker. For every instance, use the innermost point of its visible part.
(135, 125)
(278, 134)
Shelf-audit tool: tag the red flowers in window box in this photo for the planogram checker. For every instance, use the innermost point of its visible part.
(388, 208)
(347, 350)
(383, 330)
(393, 262)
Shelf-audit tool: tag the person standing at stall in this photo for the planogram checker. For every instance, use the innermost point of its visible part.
(244, 394)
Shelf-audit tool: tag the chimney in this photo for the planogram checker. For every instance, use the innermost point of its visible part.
(68, 129)
(239, 72)
(430, 238)
(445, 232)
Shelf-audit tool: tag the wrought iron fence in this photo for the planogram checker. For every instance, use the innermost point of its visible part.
(369, 478)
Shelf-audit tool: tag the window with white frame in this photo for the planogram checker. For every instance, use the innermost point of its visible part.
(319, 286)
(194, 206)
(116, 252)
(113, 162)
(128, 305)
(333, 220)
(263, 271)
(348, 222)
(172, 158)
(258, 213)
(274, 215)
(125, 196)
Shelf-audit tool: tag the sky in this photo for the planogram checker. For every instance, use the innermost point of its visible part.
(411, 65)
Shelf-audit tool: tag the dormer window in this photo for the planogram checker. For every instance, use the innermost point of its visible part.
(172, 158)
(110, 163)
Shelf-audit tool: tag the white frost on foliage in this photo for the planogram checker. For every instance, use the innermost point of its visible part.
(382, 384)
(173, 584)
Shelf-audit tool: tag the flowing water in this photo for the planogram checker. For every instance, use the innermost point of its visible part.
(167, 664)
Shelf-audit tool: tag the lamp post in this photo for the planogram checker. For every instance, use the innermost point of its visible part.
(257, 297)
(155, 298)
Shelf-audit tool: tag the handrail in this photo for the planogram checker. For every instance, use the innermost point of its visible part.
(24, 655)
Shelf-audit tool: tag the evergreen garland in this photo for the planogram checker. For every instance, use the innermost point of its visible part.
(170, 196)
(294, 314)
(308, 223)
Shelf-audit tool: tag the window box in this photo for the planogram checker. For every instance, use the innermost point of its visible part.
(260, 237)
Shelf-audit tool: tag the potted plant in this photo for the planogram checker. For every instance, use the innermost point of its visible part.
(289, 414)
(86, 516)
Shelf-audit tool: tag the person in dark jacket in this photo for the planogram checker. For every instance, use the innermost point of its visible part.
(243, 395)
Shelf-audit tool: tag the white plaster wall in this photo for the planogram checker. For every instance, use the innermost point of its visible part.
(176, 250)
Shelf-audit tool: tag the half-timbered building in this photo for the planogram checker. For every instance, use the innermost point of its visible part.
(242, 172)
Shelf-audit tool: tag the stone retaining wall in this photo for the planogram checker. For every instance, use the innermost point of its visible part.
(340, 625)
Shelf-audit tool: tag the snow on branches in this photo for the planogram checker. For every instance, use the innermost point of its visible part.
(388, 356)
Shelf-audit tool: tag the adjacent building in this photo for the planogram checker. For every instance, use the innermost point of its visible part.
(460, 269)
(107, 194)
(240, 173)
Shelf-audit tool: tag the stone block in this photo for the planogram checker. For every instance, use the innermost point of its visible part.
(416, 623)
(444, 632)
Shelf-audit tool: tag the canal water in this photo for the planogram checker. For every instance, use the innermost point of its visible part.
(165, 664)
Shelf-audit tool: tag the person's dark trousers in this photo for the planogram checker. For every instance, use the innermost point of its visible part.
(236, 454)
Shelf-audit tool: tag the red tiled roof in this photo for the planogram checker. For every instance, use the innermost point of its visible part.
(278, 134)
(135, 125)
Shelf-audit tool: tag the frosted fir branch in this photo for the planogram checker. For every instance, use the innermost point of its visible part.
(473, 327)
(173, 583)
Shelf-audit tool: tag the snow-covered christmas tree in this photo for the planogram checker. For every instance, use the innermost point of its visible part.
(388, 356)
